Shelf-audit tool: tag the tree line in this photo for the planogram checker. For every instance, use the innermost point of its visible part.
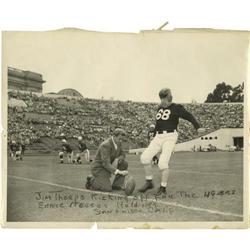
(226, 93)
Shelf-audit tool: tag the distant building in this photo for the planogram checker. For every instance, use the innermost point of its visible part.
(70, 92)
(24, 80)
(222, 139)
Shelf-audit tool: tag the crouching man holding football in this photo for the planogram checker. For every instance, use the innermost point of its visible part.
(109, 160)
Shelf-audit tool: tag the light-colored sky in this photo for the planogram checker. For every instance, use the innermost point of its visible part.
(131, 66)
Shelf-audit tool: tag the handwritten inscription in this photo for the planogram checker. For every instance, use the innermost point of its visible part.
(213, 193)
(100, 204)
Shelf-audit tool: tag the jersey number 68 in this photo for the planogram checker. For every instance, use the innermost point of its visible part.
(163, 114)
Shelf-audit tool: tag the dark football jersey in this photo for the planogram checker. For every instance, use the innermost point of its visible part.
(14, 147)
(82, 146)
(167, 117)
(66, 147)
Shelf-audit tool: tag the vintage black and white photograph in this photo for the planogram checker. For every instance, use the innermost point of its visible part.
(145, 129)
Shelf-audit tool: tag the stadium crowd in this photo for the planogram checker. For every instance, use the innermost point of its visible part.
(94, 119)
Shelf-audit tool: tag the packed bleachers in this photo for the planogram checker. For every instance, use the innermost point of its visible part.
(46, 117)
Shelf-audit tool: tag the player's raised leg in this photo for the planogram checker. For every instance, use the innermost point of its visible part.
(146, 159)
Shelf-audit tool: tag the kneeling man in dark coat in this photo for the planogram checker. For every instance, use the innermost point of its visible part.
(109, 160)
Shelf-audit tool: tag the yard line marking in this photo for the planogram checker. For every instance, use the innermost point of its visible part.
(174, 204)
(196, 172)
(201, 172)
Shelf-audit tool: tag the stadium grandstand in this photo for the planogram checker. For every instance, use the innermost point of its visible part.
(41, 119)
(24, 80)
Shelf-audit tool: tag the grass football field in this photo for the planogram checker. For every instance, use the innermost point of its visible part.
(202, 187)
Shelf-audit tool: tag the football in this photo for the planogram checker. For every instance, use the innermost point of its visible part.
(129, 185)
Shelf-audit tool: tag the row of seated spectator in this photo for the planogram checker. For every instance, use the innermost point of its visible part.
(93, 119)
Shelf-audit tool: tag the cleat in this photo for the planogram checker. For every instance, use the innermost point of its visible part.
(148, 185)
(88, 182)
(161, 190)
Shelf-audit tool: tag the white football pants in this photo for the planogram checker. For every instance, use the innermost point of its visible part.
(163, 143)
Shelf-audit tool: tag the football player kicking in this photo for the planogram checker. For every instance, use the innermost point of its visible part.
(82, 151)
(66, 149)
(167, 119)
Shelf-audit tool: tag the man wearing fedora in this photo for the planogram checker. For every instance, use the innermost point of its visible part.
(109, 160)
